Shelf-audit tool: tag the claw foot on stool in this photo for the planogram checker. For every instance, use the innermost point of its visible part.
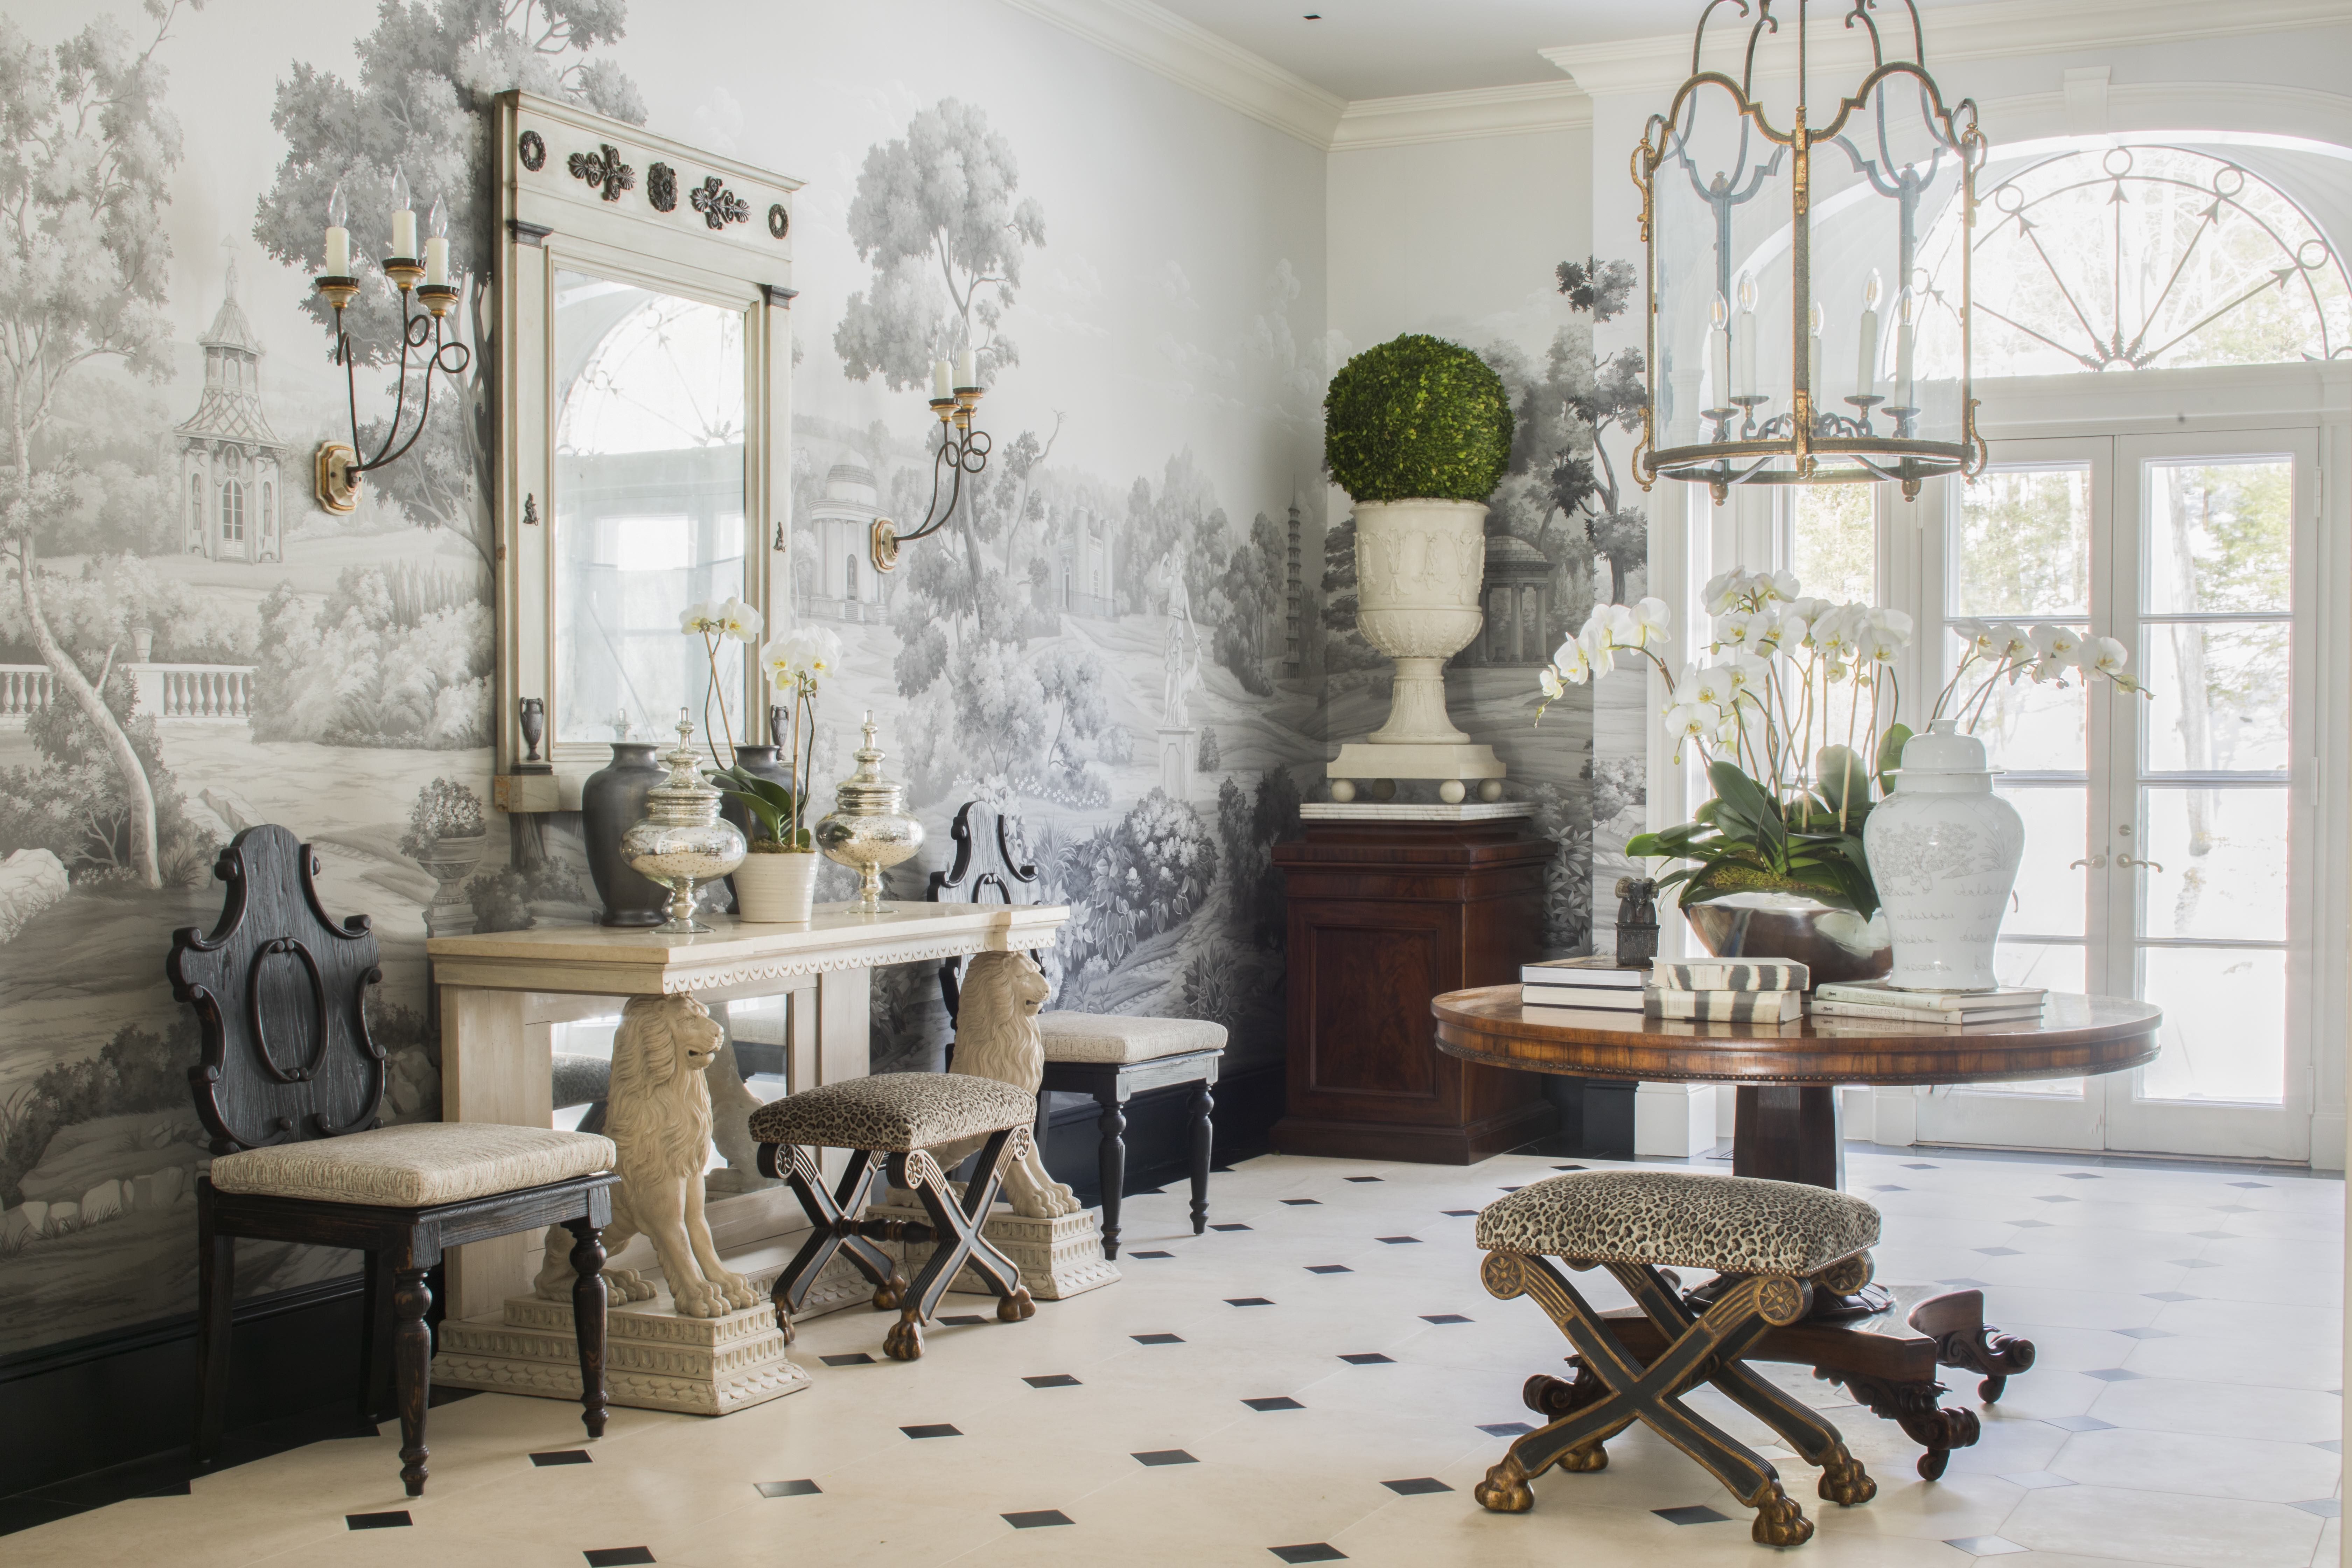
(1015, 1307)
(1844, 1480)
(1585, 1458)
(1779, 1520)
(891, 1294)
(1505, 1489)
(905, 1340)
(784, 1324)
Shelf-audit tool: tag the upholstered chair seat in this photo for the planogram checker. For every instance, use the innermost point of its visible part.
(894, 1112)
(417, 1164)
(1676, 1219)
(1123, 1038)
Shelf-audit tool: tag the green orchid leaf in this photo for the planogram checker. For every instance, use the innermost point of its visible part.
(1890, 754)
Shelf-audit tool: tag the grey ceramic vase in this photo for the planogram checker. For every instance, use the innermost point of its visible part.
(612, 801)
(761, 761)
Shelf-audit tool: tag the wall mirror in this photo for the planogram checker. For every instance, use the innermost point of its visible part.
(643, 411)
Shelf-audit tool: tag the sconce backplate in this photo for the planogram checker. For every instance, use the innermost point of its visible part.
(884, 549)
(338, 488)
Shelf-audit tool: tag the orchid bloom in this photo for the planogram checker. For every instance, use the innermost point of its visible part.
(1572, 662)
(1652, 624)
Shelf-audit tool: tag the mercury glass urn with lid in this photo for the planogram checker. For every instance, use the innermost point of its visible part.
(683, 841)
(869, 827)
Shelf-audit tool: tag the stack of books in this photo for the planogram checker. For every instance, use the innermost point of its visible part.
(1585, 985)
(1727, 989)
(1862, 1004)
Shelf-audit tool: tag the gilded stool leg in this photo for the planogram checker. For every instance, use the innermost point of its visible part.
(1779, 1520)
(1505, 1489)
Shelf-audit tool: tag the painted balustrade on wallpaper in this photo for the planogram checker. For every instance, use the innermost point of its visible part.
(200, 693)
(25, 690)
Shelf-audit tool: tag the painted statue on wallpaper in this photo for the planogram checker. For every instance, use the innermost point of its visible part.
(188, 645)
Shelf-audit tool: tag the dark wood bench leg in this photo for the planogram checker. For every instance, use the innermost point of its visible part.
(1204, 1134)
(1111, 1162)
(588, 1303)
(412, 1348)
(375, 1343)
(215, 1301)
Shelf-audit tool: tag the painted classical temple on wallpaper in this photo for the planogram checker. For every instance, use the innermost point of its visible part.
(230, 459)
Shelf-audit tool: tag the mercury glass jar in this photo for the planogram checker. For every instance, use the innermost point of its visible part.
(869, 827)
(683, 841)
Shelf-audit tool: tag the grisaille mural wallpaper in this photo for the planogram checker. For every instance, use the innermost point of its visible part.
(1138, 637)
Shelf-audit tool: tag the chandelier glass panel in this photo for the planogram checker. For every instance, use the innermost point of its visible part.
(1774, 360)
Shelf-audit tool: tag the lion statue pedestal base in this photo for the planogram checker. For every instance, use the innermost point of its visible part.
(1058, 1258)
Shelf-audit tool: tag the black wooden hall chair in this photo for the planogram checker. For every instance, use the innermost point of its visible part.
(1773, 1242)
(1112, 1056)
(291, 1086)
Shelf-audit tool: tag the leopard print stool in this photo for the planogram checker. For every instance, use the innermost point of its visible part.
(899, 1117)
(1774, 1242)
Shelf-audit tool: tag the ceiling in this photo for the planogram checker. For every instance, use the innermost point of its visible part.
(1386, 48)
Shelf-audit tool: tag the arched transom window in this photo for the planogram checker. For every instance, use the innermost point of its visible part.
(2136, 257)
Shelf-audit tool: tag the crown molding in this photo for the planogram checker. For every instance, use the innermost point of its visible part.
(1999, 29)
(1190, 55)
(1521, 110)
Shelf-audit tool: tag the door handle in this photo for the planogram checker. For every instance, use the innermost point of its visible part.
(2128, 861)
(2096, 862)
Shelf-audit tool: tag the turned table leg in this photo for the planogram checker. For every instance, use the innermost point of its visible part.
(1111, 1164)
(412, 1354)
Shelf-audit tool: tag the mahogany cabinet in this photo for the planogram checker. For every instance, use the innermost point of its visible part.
(1383, 917)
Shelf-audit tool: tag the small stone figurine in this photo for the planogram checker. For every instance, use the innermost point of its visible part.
(1637, 921)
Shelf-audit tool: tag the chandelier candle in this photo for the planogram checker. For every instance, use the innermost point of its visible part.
(404, 218)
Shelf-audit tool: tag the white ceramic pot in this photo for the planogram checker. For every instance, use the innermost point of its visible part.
(1419, 567)
(1944, 850)
(777, 890)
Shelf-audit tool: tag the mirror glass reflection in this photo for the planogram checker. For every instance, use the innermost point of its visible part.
(648, 504)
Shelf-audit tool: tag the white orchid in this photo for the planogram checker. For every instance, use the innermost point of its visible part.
(1548, 681)
(2106, 656)
(1744, 671)
(2011, 641)
(1600, 651)
(1779, 585)
(808, 654)
(1570, 661)
(1722, 591)
(1652, 624)
(1708, 685)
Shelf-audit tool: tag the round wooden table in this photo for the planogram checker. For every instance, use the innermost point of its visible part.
(1786, 1129)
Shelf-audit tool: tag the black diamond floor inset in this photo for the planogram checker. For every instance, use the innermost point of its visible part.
(1399, 1240)
(2078, 1176)
(1507, 1430)
(1460, 1214)
(1917, 1166)
(932, 1429)
(2144, 1333)
(1366, 1358)
(618, 1556)
(1510, 1189)
(1247, 1301)
(1151, 1255)
(2115, 1374)
(964, 1320)
(1359, 1178)
(2264, 1185)
(1963, 1284)
(1236, 1226)
(855, 1358)
(1038, 1519)
(1053, 1380)
(2033, 1224)
(1329, 1269)
(2170, 1296)
(1999, 1251)
(2080, 1424)
(787, 1489)
(1279, 1402)
(1444, 1318)
(1302, 1203)
(1164, 1457)
(1568, 1167)
(1696, 1513)
(1889, 1187)
(395, 1521)
(2055, 1198)
(1313, 1550)
(1157, 1339)
(563, 1457)
(1416, 1486)
(2321, 1508)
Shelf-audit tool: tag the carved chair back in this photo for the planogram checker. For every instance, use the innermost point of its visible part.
(280, 987)
(987, 866)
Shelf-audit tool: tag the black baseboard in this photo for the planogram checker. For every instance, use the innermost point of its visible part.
(1158, 1133)
(91, 1404)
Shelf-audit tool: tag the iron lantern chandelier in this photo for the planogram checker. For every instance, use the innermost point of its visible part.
(1773, 360)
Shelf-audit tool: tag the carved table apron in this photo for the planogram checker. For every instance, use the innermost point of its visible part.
(1786, 1129)
(500, 993)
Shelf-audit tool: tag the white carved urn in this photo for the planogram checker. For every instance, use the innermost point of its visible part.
(1943, 851)
(1419, 566)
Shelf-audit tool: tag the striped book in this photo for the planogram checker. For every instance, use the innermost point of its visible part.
(1727, 1006)
(1878, 994)
(1607, 998)
(1593, 969)
(1859, 1011)
(1731, 975)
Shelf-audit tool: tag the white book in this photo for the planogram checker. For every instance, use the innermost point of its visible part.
(1592, 970)
(1728, 1006)
(1878, 994)
(1828, 1024)
(1607, 998)
(1833, 1009)
(1591, 1017)
(1731, 975)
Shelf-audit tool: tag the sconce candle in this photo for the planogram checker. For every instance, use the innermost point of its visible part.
(1906, 337)
(339, 233)
(403, 218)
(967, 369)
(1865, 375)
(1814, 355)
(942, 384)
(1743, 378)
(1718, 348)
(436, 244)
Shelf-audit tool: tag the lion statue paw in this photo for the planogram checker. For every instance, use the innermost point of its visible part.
(628, 1284)
(697, 1299)
(737, 1289)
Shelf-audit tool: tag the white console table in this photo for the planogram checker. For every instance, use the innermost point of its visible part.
(501, 994)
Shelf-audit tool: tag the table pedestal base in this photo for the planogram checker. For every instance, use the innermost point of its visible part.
(1887, 1365)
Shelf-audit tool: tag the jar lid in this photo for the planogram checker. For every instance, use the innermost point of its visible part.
(1942, 752)
(683, 800)
(866, 793)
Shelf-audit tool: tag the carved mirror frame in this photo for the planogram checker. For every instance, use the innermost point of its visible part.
(578, 192)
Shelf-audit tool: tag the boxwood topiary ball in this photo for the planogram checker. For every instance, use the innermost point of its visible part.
(1417, 418)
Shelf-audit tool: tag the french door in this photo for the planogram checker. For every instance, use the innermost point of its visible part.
(2175, 842)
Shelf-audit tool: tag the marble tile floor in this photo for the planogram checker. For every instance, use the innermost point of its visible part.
(1322, 1379)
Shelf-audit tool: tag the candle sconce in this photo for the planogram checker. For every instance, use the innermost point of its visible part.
(337, 464)
(962, 450)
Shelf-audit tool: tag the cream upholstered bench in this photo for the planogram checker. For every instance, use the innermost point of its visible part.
(1774, 1241)
(1111, 1056)
(905, 1118)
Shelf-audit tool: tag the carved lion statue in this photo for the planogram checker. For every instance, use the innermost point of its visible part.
(996, 1036)
(657, 1113)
